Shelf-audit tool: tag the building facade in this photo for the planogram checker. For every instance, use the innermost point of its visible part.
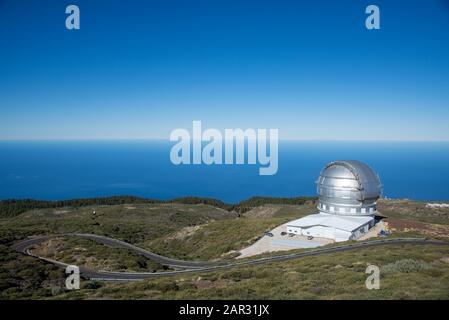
(348, 192)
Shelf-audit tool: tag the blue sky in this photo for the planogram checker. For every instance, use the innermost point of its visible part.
(139, 69)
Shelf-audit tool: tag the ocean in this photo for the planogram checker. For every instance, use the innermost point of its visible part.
(55, 170)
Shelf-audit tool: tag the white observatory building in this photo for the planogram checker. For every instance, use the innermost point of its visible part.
(348, 191)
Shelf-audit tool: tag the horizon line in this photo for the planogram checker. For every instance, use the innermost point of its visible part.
(168, 140)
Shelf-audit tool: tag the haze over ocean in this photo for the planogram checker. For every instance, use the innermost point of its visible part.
(72, 169)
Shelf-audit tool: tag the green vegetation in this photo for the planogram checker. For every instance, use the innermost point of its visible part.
(253, 202)
(132, 223)
(333, 276)
(405, 266)
(215, 239)
(95, 256)
(24, 277)
(207, 229)
(413, 210)
(12, 208)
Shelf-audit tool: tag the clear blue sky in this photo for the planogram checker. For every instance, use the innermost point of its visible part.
(139, 69)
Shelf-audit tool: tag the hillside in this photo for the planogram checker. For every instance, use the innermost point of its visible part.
(203, 232)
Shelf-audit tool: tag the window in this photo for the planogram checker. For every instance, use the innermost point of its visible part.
(331, 209)
(363, 210)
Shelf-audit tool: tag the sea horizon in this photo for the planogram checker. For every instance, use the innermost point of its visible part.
(62, 170)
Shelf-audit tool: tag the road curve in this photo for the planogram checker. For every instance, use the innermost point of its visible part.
(199, 266)
(24, 245)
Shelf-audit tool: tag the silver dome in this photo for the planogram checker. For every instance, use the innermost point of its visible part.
(348, 187)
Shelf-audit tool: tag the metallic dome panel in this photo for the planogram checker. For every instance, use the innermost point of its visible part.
(348, 187)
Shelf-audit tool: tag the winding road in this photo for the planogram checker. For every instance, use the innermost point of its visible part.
(186, 267)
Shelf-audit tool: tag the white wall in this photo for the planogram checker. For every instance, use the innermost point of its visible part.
(320, 232)
(329, 232)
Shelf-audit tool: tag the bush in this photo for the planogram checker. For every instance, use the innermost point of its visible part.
(405, 266)
(13, 207)
(92, 285)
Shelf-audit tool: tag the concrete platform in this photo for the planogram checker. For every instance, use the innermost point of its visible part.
(281, 243)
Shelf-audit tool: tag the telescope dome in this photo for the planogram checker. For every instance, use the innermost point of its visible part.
(348, 187)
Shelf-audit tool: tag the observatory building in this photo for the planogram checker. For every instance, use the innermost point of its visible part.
(348, 191)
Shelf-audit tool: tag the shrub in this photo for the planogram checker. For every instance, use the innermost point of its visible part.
(92, 285)
(405, 266)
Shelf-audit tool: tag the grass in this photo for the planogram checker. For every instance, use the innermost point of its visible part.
(332, 276)
(24, 277)
(95, 256)
(131, 223)
(405, 266)
(215, 239)
(202, 232)
(413, 210)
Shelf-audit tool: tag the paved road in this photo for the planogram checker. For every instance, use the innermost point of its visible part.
(199, 266)
(23, 246)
